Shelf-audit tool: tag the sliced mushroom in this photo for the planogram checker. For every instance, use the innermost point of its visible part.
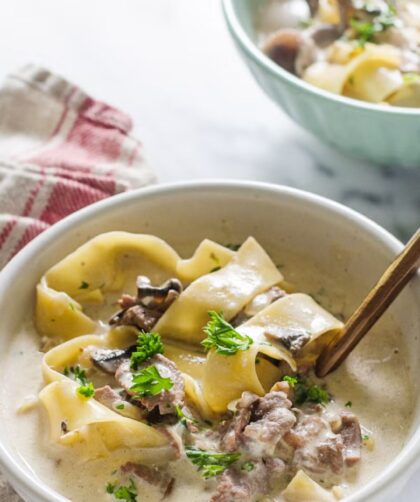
(293, 339)
(109, 360)
(145, 309)
(283, 48)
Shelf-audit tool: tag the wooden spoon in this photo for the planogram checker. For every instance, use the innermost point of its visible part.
(395, 277)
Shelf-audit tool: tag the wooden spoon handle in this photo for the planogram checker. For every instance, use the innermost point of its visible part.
(373, 306)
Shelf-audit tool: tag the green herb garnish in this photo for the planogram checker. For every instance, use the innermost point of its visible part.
(209, 463)
(149, 382)
(411, 77)
(78, 374)
(365, 437)
(183, 418)
(247, 466)
(121, 492)
(291, 380)
(148, 344)
(349, 404)
(223, 337)
(366, 30)
(120, 406)
(87, 390)
(84, 285)
(305, 392)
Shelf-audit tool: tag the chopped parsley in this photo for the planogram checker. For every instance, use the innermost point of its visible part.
(291, 380)
(149, 382)
(120, 406)
(223, 337)
(306, 23)
(148, 344)
(76, 373)
(84, 285)
(121, 492)
(365, 437)
(209, 463)
(411, 77)
(247, 466)
(349, 404)
(305, 392)
(183, 418)
(366, 30)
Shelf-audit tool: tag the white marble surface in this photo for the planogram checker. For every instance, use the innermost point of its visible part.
(172, 66)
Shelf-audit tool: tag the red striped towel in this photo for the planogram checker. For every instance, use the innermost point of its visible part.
(60, 150)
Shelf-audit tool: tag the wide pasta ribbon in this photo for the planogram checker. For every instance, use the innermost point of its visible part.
(226, 377)
(97, 268)
(218, 279)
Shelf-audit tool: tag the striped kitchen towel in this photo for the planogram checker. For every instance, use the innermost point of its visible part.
(60, 150)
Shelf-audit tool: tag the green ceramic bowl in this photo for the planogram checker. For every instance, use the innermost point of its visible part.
(379, 133)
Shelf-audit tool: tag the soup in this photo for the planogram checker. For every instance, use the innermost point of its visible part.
(367, 50)
(148, 377)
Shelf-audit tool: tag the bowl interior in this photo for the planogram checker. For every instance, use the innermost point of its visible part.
(320, 243)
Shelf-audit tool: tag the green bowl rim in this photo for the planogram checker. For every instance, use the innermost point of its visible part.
(238, 32)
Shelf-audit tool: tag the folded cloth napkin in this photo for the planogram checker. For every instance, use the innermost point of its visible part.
(60, 150)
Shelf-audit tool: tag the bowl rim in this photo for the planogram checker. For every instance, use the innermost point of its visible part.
(258, 56)
(405, 462)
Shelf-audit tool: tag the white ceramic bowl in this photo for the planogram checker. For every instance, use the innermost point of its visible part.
(347, 245)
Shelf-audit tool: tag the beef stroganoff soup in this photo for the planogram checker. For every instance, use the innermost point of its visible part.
(363, 49)
(148, 377)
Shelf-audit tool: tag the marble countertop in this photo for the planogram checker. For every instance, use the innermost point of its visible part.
(200, 114)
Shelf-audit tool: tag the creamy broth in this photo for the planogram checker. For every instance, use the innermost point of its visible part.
(375, 380)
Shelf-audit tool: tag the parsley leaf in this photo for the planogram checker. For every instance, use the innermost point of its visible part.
(211, 464)
(349, 404)
(78, 374)
(183, 418)
(87, 390)
(291, 380)
(148, 344)
(223, 337)
(365, 30)
(149, 382)
(247, 466)
(121, 492)
(305, 392)
(84, 285)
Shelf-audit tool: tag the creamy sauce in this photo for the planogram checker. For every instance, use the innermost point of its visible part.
(375, 379)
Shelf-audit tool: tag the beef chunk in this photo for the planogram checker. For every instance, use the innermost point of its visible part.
(318, 450)
(352, 438)
(259, 422)
(248, 486)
